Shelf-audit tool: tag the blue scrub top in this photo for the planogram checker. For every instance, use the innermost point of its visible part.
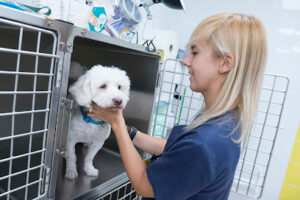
(198, 164)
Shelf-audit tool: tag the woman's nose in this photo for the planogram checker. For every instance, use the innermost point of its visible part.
(187, 61)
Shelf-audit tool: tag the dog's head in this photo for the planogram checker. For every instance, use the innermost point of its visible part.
(108, 87)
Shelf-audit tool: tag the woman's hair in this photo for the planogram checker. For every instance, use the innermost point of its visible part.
(244, 37)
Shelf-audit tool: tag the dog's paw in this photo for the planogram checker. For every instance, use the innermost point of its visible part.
(71, 175)
(91, 171)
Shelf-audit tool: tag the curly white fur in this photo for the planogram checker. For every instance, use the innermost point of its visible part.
(108, 87)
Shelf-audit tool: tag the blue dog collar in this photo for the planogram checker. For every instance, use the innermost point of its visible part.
(87, 119)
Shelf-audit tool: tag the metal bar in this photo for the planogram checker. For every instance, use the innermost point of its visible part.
(23, 135)
(257, 150)
(25, 73)
(189, 97)
(265, 120)
(21, 172)
(32, 108)
(173, 77)
(20, 156)
(131, 189)
(265, 125)
(251, 183)
(39, 196)
(278, 124)
(243, 161)
(36, 53)
(268, 89)
(46, 117)
(250, 162)
(271, 102)
(24, 92)
(27, 53)
(247, 172)
(13, 108)
(155, 103)
(27, 26)
(269, 113)
(126, 195)
(19, 188)
(23, 112)
(180, 99)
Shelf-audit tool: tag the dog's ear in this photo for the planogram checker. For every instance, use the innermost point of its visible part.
(81, 90)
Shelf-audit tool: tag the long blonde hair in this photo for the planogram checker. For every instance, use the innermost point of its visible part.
(244, 37)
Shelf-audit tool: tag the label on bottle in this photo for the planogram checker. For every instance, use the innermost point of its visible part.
(97, 19)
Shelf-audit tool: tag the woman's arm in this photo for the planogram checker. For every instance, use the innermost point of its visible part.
(133, 163)
(149, 143)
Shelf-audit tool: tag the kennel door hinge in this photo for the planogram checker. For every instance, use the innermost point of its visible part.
(66, 46)
(65, 118)
(59, 73)
(46, 178)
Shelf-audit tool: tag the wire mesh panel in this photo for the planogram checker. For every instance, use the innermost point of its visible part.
(27, 56)
(123, 192)
(176, 104)
(254, 162)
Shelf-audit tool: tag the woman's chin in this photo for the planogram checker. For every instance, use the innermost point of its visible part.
(195, 89)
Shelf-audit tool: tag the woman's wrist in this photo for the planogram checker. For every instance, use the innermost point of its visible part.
(118, 124)
(131, 131)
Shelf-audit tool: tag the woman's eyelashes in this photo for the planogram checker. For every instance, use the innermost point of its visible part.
(194, 53)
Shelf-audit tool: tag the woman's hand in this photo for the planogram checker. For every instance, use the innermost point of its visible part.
(112, 116)
(133, 163)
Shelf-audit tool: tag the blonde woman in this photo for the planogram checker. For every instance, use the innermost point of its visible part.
(198, 161)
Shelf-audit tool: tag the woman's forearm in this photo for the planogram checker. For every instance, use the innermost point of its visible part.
(149, 144)
(133, 163)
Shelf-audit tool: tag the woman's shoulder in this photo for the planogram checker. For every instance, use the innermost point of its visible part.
(225, 125)
(219, 134)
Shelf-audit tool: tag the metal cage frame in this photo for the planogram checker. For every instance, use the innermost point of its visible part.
(46, 154)
(57, 107)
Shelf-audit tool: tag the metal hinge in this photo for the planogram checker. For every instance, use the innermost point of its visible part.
(58, 73)
(46, 178)
(65, 118)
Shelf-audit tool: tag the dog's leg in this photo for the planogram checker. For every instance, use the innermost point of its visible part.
(89, 168)
(71, 170)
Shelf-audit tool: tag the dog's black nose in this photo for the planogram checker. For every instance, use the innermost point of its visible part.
(117, 102)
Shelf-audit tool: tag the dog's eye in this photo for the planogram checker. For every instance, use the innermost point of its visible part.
(103, 86)
(119, 87)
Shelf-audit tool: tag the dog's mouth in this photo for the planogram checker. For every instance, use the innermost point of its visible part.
(115, 107)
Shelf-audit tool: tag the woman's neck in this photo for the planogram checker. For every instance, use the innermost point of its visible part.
(210, 96)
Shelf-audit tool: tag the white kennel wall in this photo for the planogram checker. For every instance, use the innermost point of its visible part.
(281, 20)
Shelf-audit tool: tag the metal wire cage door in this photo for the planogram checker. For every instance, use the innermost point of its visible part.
(176, 104)
(27, 56)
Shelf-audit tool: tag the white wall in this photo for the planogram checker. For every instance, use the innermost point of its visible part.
(281, 19)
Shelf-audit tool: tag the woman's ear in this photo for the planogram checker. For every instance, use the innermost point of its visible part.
(81, 90)
(227, 63)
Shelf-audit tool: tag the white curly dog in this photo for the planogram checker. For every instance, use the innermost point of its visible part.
(108, 87)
